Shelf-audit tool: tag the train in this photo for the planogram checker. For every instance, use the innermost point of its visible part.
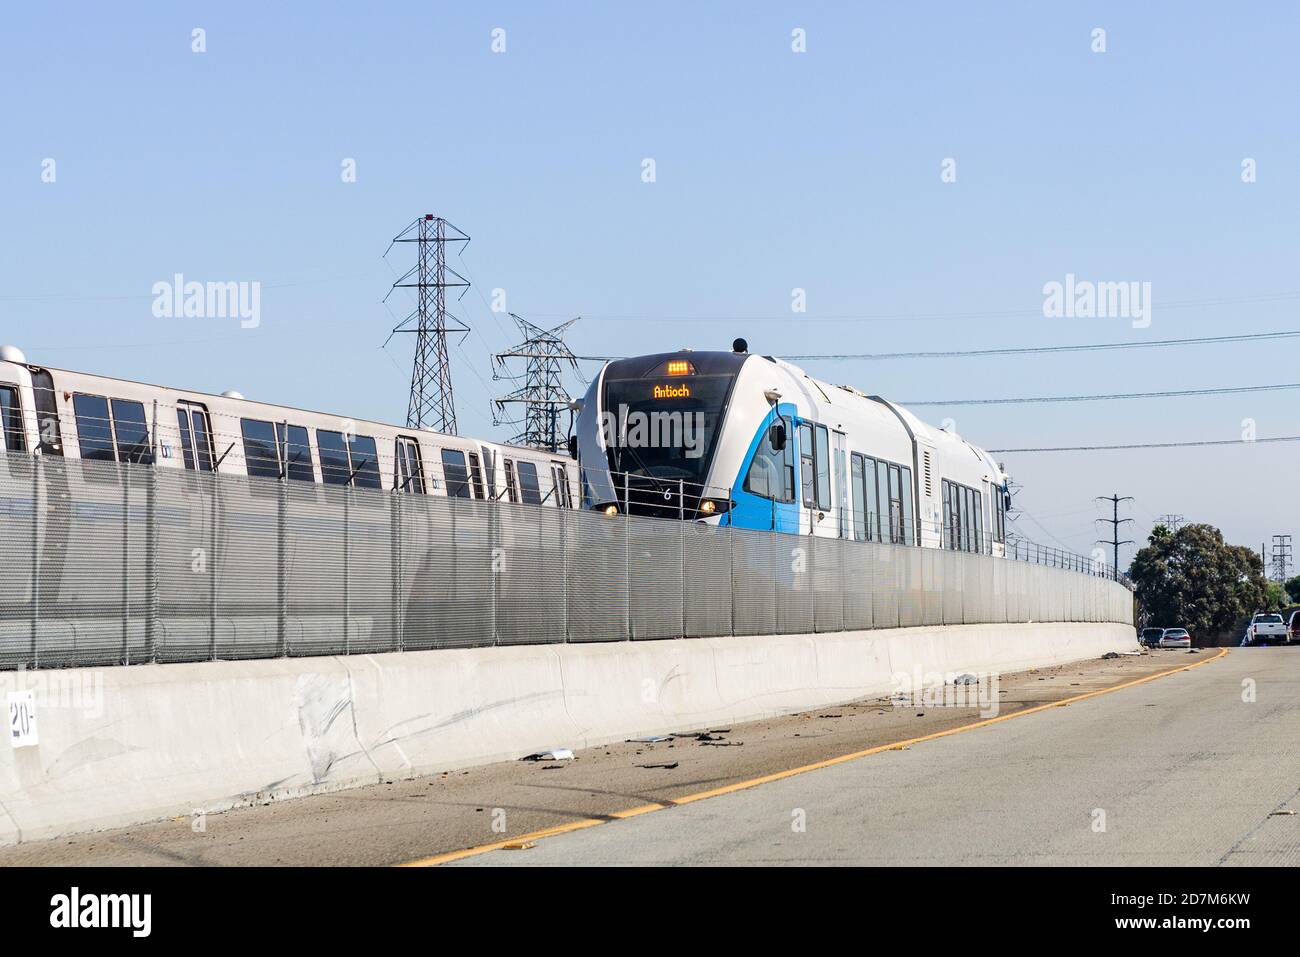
(59, 412)
(723, 438)
(752, 441)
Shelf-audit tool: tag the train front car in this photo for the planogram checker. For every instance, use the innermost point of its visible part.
(650, 433)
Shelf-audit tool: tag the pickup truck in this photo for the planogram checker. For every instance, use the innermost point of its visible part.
(1265, 629)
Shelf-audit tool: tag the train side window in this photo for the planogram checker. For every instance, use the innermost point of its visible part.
(455, 473)
(295, 452)
(94, 427)
(365, 462)
(560, 478)
(823, 456)
(260, 453)
(13, 437)
(490, 472)
(532, 490)
(132, 432)
(806, 466)
(882, 494)
(334, 467)
(512, 493)
(859, 500)
(410, 468)
(476, 474)
(872, 504)
(979, 521)
(196, 441)
(909, 529)
(895, 506)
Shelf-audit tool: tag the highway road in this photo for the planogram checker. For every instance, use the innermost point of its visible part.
(1201, 767)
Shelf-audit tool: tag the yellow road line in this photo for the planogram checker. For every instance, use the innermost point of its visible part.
(781, 775)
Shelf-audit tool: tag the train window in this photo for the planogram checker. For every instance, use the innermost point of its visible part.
(94, 428)
(13, 438)
(365, 462)
(490, 472)
(856, 469)
(532, 490)
(771, 473)
(295, 452)
(823, 454)
(196, 436)
(260, 454)
(455, 473)
(948, 514)
(806, 467)
(511, 492)
(882, 498)
(909, 528)
(561, 479)
(410, 468)
(895, 506)
(476, 473)
(870, 501)
(132, 432)
(979, 521)
(334, 467)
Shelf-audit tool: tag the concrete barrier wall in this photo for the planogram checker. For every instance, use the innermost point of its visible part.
(126, 745)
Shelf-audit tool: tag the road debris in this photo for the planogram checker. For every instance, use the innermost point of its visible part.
(555, 754)
(667, 767)
(650, 739)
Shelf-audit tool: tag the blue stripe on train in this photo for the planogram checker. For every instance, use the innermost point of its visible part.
(753, 511)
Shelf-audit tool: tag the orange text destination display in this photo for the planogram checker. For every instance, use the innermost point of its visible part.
(682, 391)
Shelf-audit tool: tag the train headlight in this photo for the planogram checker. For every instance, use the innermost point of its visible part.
(708, 508)
(611, 510)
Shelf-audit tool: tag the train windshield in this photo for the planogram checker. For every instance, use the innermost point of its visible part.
(664, 427)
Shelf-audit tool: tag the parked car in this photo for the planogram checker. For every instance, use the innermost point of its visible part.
(1175, 638)
(1267, 628)
(1151, 637)
(1293, 630)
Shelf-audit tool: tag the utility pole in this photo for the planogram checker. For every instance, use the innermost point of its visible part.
(1281, 557)
(1115, 523)
(542, 393)
(431, 404)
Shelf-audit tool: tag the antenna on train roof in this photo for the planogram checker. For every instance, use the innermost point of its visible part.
(740, 346)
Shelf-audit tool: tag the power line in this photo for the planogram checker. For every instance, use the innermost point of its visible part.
(922, 317)
(1151, 445)
(1039, 350)
(1021, 400)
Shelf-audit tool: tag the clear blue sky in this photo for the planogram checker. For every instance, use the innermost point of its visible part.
(775, 170)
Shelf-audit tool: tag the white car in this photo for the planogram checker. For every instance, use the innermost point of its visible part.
(1175, 638)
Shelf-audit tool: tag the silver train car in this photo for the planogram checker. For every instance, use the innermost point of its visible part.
(59, 412)
(731, 438)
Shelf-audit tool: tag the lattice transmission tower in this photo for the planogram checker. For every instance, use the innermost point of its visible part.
(432, 404)
(541, 392)
(1281, 557)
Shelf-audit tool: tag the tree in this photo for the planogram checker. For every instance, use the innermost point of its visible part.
(1293, 590)
(1191, 578)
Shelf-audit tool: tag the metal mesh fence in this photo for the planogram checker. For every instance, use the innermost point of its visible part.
(104, 563)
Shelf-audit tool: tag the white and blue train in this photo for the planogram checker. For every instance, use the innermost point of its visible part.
(731, 438)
